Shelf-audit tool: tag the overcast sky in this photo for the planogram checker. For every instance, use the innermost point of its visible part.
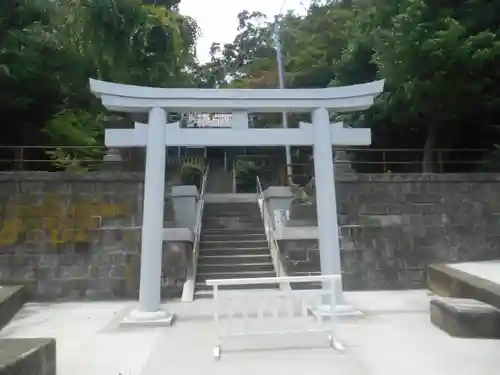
(218, 18)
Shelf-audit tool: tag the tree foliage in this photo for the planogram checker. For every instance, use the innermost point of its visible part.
(440, 59)
(49, 50)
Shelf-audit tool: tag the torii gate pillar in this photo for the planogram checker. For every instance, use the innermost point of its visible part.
(152, 226)
(148, 309)
(328, 236)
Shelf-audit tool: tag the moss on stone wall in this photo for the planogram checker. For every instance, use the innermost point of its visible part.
(61, 221)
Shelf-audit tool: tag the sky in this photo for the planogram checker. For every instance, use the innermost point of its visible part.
(218, 19)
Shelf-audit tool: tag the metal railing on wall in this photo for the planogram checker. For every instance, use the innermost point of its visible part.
(373, 160)
(361, 160)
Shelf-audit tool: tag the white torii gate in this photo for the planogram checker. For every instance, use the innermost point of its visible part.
(157, 134)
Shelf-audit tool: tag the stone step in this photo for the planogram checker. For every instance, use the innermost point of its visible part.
(202, 277)
(12, 299)
(201, 293)
(254, 217)
(447, 281)
(231, 231)
(307, 285)
(245, 244)
(234, 237)
(231, 222)
(232, 206)
(207, 290)
(233, 215)
(232, 251)
(234, 258)
(235, 267)
(465, 318)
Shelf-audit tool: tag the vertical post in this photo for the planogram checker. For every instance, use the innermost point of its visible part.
(281, 76)
(152, 223)
(328, 234)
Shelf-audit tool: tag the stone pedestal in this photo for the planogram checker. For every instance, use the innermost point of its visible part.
(184, 199)
(160, 317)
(343, 165)
(466, 318)
(112, 160)
(278, 198)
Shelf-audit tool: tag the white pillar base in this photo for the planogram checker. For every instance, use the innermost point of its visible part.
(344, 310)
(141, 318)
(188, 291)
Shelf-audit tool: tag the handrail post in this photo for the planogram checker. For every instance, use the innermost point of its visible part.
(190, 284)
(270, 234)
(234, 176)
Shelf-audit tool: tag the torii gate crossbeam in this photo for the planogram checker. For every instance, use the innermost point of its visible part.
(199, 137)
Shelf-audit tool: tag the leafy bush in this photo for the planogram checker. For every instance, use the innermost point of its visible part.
(192, 174)
(78, 135)
(246, 173)
(304, 195)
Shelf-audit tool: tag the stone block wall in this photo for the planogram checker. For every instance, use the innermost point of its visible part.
(405, 223)
(77, 236)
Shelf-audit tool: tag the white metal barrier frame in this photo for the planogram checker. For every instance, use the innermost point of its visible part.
(190, 284)
(286, 311)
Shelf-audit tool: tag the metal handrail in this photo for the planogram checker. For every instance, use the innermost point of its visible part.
(190, 284)
(270, 234)
(233, 172)
(199, 217)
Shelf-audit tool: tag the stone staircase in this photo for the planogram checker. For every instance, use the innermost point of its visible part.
(219, 180)
(233, 245)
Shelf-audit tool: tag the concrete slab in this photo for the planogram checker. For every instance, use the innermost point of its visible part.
(12, 298)
(28, 356)
(488, 270)
(394, 336)
(474, 280)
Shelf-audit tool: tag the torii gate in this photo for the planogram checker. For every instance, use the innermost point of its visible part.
(157, 134)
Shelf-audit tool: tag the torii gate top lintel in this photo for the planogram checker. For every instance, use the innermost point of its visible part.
(129, 98)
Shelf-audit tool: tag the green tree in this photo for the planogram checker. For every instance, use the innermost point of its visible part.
(439, 62)
(50, 49)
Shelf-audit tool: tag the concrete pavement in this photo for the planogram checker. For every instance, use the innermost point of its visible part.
(395, 336)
